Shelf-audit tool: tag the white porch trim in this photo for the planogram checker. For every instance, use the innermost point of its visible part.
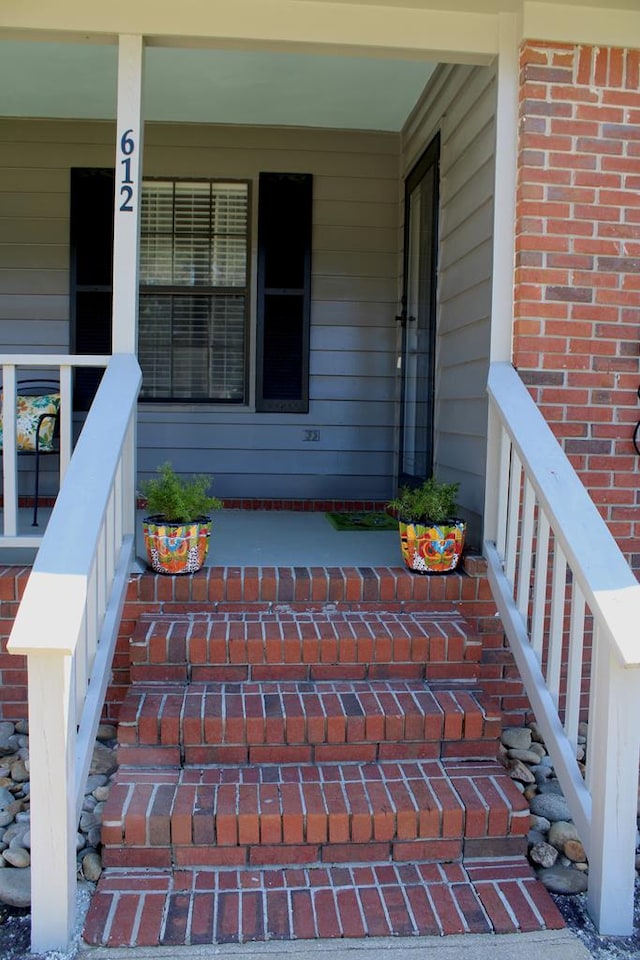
(128, 171)
(390, 28)
(322, 27)
(506, 154)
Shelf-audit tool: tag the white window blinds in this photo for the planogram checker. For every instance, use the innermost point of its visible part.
(193, 290)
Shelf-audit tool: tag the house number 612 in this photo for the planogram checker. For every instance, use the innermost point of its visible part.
(127, 147)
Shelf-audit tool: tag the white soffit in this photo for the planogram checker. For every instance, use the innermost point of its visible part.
(213, 86)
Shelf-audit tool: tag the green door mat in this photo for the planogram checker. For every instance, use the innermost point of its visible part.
(364, 520)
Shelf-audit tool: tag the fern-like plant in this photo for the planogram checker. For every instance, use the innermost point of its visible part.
(178, 499)
(432, 502)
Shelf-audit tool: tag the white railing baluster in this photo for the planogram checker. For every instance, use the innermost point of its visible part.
(503, 493)
(573, 539)
(101, 572)
(109, 542)
(511, 553)
(66, 418)
(81, 662)
(556, 626)
(118, 528)
(129, 479)
(575, 666)
(538, 613)
(93, 612)
(526, 550)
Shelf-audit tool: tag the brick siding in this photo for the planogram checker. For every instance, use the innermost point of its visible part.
(577, 279)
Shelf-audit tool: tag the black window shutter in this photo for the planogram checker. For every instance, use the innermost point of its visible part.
(91, 243)
(284, 292)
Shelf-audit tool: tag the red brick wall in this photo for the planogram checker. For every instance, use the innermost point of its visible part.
(577, 282)
(13, 669)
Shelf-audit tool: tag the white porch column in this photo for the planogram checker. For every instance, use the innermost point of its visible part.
(506, 159)
(128, 179)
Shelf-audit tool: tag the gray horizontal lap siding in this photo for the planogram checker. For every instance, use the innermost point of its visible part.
(460, 102)
(354, 297)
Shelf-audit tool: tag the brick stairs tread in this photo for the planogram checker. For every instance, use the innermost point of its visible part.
(203, 723)
(234, 815)
(282, 642)
(198, 907)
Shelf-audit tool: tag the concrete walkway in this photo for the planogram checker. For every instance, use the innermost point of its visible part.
(550, 945)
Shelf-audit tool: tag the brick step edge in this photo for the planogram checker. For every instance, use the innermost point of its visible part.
(321, 584)
(311, 644)
(209, 754)
(439, 849)
(232, 811)
(191, 907)
(237, 673)
(297, 722)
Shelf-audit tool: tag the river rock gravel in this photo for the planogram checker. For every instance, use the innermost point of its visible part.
(15, 872)
(566, 873)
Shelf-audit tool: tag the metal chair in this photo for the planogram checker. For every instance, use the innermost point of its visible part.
(40, 423)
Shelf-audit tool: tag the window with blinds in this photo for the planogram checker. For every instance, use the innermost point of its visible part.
(194, 250)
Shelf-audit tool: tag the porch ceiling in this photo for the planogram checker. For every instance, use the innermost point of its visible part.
(78, 81)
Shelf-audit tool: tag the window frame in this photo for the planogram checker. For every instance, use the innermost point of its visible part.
(201, 290)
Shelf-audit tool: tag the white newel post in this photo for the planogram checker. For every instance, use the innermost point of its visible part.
(612, 771)
(128, 181)
(54, 827)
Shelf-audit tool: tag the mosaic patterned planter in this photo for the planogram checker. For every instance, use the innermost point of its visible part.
(176, 548)
(432, 549)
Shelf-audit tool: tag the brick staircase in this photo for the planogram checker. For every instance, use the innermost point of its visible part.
(308, 769)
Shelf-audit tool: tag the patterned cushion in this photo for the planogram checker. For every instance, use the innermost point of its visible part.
(28, 411)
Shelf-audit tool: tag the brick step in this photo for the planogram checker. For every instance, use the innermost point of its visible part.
(303, 722)
(270, 642)
(219, 585)
(307, 814)
(136, 908)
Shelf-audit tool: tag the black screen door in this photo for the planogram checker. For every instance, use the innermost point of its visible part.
(418, 319)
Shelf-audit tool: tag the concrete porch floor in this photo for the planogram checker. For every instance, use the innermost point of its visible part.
(261, 538)
(276, 538)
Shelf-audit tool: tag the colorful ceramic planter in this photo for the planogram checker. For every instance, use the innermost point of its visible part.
(432, 549)
(176, 548)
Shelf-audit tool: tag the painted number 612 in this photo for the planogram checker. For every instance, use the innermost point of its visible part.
(127, 147)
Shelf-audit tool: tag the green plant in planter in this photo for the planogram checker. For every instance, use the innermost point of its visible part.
(177, 499)
(178, 525)
(433, 501)
(431, 536)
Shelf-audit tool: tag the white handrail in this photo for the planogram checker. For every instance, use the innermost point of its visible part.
(67, 626)
(579, 585)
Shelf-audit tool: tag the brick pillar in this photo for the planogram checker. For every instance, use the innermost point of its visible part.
(577, 282)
